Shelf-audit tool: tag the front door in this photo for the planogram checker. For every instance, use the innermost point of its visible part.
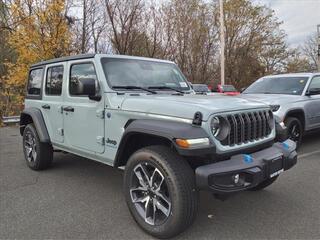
(313, 106)
(55, 76)
(83, 118)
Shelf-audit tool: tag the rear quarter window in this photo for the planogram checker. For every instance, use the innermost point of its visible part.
(35, 82)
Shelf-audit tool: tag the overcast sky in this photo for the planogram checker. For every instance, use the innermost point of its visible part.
(300, 17)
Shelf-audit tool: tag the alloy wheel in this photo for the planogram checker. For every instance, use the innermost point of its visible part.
(149, 194)
(30, 146)
(295, 132)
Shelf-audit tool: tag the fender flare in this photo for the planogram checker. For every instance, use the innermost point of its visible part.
(167, 130)
(38, 122)
(298, 111)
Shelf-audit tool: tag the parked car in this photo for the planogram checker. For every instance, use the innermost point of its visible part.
(201, 89)
(139, 114)
(229, 90)
(294, 100)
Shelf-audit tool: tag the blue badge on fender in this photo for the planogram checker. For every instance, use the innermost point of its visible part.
(247, 158)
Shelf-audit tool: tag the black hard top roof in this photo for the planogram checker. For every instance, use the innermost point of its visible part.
(63, 59)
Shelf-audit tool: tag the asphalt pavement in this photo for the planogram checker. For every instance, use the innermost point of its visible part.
(80, 199)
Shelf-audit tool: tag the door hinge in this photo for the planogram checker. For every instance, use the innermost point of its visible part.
(100, 114)
(100, 140)
(60, 131)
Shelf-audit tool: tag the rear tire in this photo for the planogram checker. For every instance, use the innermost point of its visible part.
(264, 184)
(171, 213)
(38, 155)
(294, 130)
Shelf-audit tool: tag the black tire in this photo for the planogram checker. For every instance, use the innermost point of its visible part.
(179, 185)
(42, 153)
(264, 184)
(294, 130)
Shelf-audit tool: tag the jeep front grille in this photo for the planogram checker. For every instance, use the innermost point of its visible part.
(248, 127)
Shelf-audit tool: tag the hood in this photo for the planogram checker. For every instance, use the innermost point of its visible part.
(185, 106)
(273, 99)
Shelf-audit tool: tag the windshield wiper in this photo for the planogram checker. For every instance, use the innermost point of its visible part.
(166, 88)
(135, 87)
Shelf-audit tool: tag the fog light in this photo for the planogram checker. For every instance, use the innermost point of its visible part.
(239, 180)
(231, 180)
(236, 178)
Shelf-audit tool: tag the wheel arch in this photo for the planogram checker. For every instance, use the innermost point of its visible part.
(299, 114)
(133, 141)
(143, 133)
(34, 115)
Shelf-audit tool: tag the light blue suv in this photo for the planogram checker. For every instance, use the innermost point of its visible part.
(294, 99)
(141, 114)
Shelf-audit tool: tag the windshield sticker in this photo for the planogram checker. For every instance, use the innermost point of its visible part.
(302, 81)
(183, 84)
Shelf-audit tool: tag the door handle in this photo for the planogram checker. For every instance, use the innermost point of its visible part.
(68, 109)
(46, 106)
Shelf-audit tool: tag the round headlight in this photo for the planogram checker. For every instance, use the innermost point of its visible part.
(215, 126)
(220, 127)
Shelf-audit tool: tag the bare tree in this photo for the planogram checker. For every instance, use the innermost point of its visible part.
(89, 26)
(255, 44)
(124, 18)
(310, 50)
(191, 38)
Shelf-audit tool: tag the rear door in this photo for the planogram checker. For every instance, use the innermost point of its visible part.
(312, 108)
(83, 118)
(51, 107)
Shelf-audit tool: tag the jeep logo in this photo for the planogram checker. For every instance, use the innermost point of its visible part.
(113, 142)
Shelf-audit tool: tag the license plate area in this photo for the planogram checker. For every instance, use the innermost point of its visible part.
(275, 166)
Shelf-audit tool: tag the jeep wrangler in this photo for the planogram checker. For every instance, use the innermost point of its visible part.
(140, 114)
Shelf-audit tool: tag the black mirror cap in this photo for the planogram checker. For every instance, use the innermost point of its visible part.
(89, 86)
(313, 91)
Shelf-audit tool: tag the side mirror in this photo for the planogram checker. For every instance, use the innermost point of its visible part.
(313, 91)
(87, 87)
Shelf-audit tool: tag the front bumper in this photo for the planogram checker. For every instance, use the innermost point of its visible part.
(244, 171)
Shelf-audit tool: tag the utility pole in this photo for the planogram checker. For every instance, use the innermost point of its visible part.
(318, 28)
(222, 43)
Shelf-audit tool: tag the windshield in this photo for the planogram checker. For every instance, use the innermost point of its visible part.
(200, 88)
(143, 74)
(278, 85)
(228, 88)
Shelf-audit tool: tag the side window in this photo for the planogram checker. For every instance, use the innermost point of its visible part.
(78, 73)
(54, 80)
(315, 83)
(34, 82)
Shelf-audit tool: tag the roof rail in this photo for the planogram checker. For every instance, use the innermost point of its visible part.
(63, 59)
